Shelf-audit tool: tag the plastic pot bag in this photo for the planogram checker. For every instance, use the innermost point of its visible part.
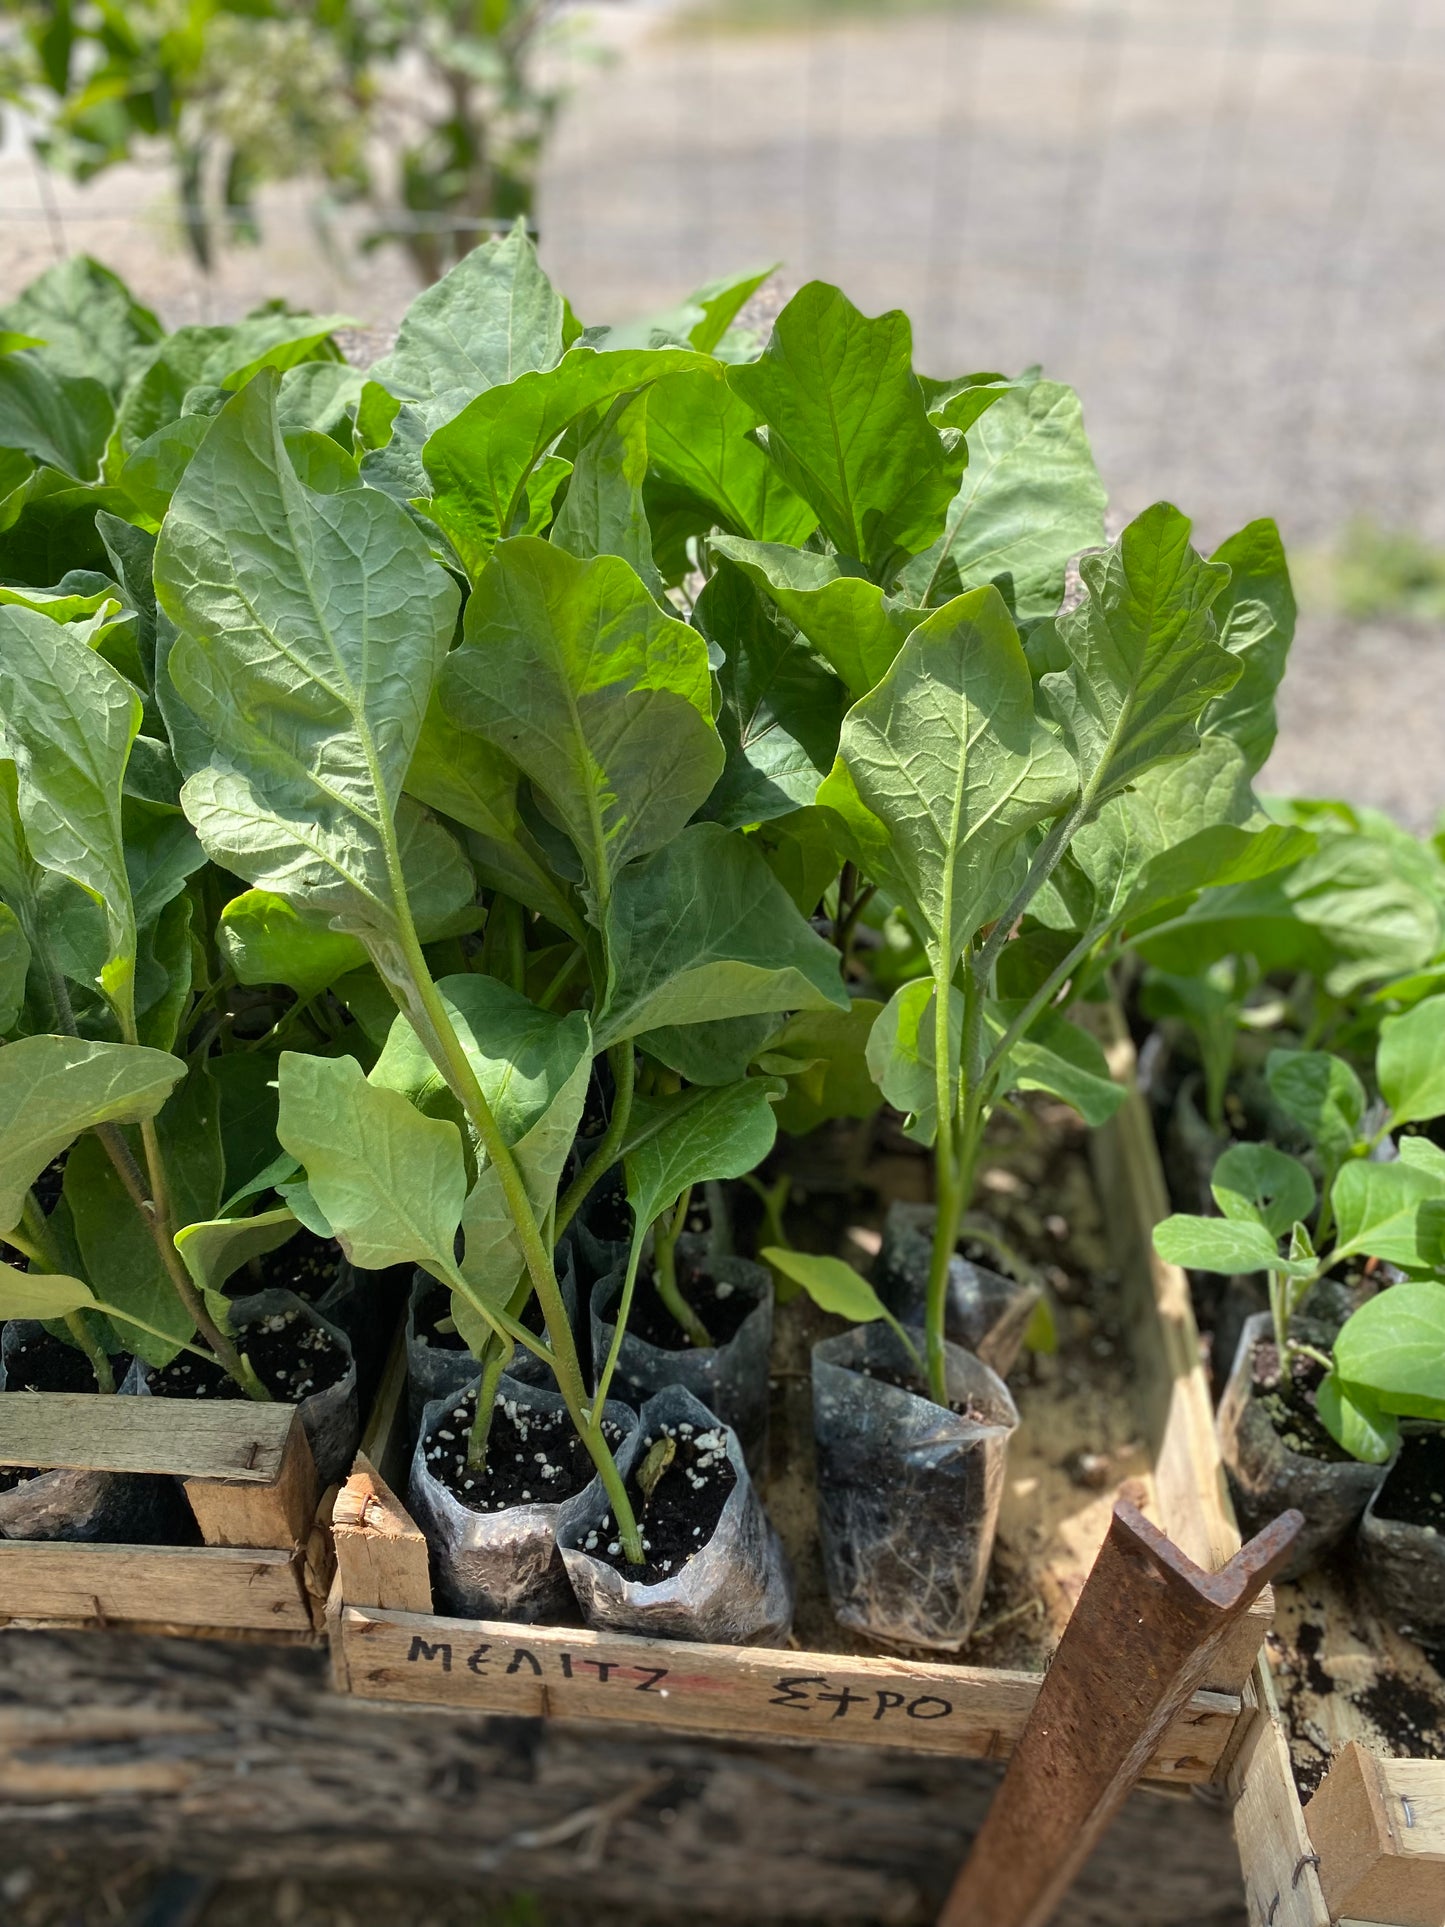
(736, 1590)
(445, 1370)
(504, 1565)
(1403, 1560)
(731, 1379)
(908, 1491)
(986, 1312)
(1267, 1476)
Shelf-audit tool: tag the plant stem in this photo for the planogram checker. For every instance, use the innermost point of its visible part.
(499, 1357)
(948, 1205)
(624, 1076)
(560, 980)
(32, 1236)
(666, 1231)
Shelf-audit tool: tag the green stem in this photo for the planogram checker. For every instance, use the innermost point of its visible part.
(666, 1231)
(1043, 996)
(499, 1357)
(1045, 860)
(948, 1204)
(560, 980)
(624, 1076)
(32, 1236)
(619, 1320)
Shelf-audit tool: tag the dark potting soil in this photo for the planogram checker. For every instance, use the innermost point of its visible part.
(721, 1307)
(609, 1215)
(435, 1310)
(305, 1264)
(533, 1457)
(1414, 1493)
(966, 1408)
(682, 1512)
(1291, 1408)
(291, 1357)
(48, 1364)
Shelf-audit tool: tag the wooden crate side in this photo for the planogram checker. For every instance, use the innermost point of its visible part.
(381, 1555)
(233, 1439)
(1378, 1827)
(1191, 1490)
(725, 1691)
(207, 1586)
(282, 1513)
(1282, 1888)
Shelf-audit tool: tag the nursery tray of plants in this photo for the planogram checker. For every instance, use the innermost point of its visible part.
(259, 1562)
(387, 1644)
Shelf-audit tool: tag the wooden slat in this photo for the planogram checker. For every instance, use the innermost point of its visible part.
(1281, 1886)
(233, 1439)
(1191, 1492)
(233, 1512)
(198, 1586)
(381, 1556)
(544, 1671)
(1378, 1827)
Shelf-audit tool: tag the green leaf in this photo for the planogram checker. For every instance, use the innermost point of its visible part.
(69, 721)
(848, 428)
(390, 1182)
(713, 1052)
(1255, 612)
(60, 420)
(575, 675)
(603, 512)
(493, 318)
(943, 768)
(823, 1055)
(699, 439)
(1410, 1063)
(459, 773)
(89, 320)
(38, 1294)
(264, 941)
(1322, 1094)
(320, 396)
(696, 1136)
(1378, 919)
(1054, 1055)
(832, 1285)
(804, 851)
(1354, 1421)
(1226, 1245)
(246, 1092)
(481, 463)
(848, 620)
(1143, 657)
(781, 709)
(216, 1248)
(1029, 501)
(189, 370)
(14, 965)
(1393, 1349)
(702, 930)
(311, 628)
(902, 1054)
(699, 322)
(1255, 1183)
(1392, 1211)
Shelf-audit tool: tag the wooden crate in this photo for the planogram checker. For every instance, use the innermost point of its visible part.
(387, 1644)
(252, 1487)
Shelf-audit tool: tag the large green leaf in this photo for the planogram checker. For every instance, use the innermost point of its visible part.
(1322, 1094)
(903, 1054)
(1056, 1056)
(697, 1136)
(1392, 1211)
(14, 966)
(38, 1294)
(69, 721)
(603, 511)
(53, 1088)
(575, 674)
(848, 619)
(263, 941)
(848, 427)
(214, 1249)
(1029, 501)
(481, 463)
(311, 628)
(1410, 1063)
(1355, 1421)
(702, 931)
(699, 438)
(216, 358)
(823, 1055)
(88, 319)
(389, 1181)
(1394, 1348)
(781, 709)
(942, 770)
(494, 317)
(1223, 1244)
(1255, 612)
(60, 420)
(1143, 656)
(1377, 915)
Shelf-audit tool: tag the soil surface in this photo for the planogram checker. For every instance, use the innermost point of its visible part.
(1415, 1490)
(680, 1513)
(292, 1358)
(911, 1382)
(533, 1457)
(722, 1308)
(305, 1264)
(1291, 1407)
(434, 1313)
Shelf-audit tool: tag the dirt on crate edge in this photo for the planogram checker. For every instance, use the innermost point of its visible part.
(1077, 1442)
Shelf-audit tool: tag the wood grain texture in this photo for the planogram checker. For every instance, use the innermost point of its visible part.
(381, 1557)
(554, 1672)
(233, 1439)
(113, 1585)
(236, 1760)
(280, 1513)
(1378, 1827)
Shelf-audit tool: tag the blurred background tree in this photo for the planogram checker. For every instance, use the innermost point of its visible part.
(430, 111)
